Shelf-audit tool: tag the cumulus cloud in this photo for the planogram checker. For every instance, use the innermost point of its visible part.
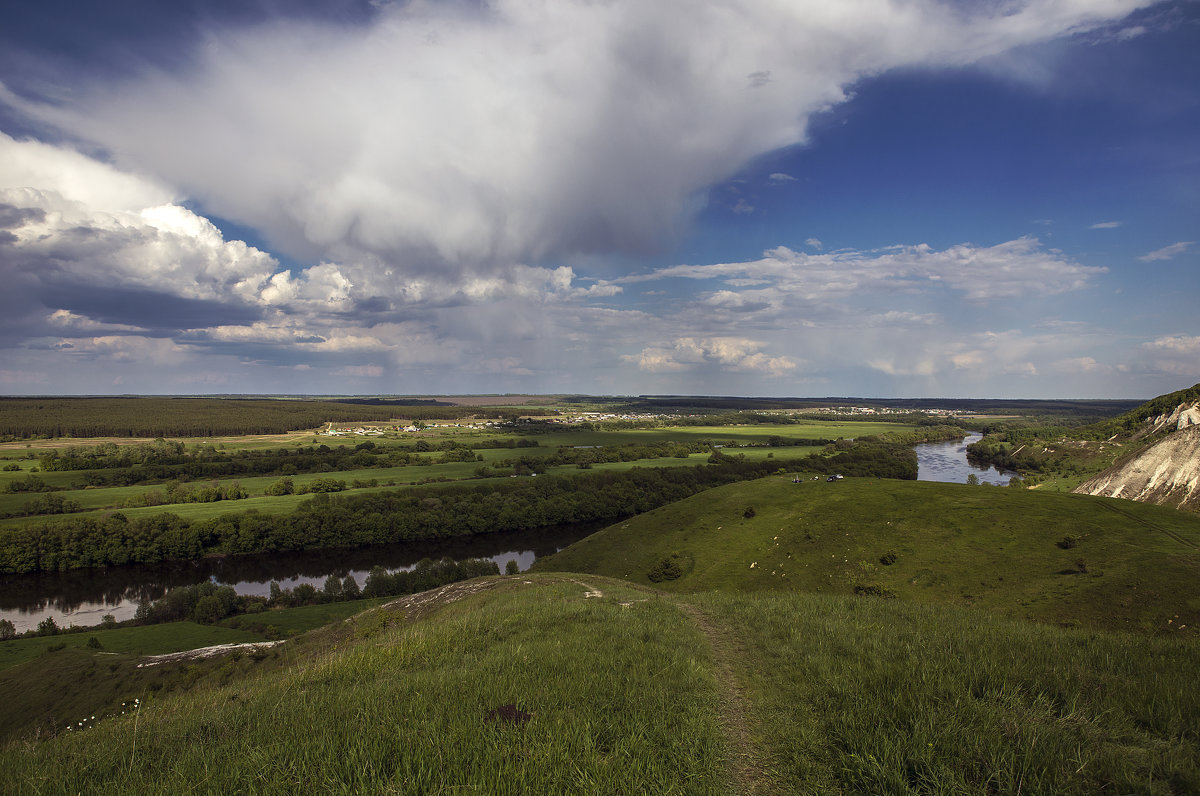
(95, 252)
(1178, 355)
(725, 353)
(77, 226)
(1167, 252)
(465, 136)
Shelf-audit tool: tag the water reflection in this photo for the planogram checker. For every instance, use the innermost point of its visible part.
(947, 461)
(83, 597)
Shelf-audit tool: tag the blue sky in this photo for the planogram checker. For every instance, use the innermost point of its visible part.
(874, 197)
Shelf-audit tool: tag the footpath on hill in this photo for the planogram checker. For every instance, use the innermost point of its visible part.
(748, 772)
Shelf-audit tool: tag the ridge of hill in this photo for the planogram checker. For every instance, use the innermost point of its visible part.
(1049, 557)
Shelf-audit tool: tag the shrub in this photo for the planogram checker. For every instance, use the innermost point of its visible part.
(749, 512)
(284, 486)
(1067, 542)
(671, 567)
(873, 591)
(887, 559)
(512, 567)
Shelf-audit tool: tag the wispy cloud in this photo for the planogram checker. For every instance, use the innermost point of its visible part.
(1167, 252)
(1017, 268)
(1106, 225)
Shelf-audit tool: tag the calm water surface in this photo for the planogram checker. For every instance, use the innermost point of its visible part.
(947, 461)
(83, 597)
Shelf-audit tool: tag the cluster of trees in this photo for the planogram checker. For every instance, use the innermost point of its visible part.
(355, 520)
(208, 603)
(30, 483)
(1026, 454)
(181, 492)
(51, 503)
(113, 465)
(631, 452)
(867, 458)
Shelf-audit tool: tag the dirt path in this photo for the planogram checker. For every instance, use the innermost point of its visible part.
(1147, 524)
(747, 773)
(591, 591)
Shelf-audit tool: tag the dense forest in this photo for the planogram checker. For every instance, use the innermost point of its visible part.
(329, 521)
(28, 418)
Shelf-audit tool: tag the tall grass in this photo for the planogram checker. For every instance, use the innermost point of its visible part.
(621, 697)
(863, 695)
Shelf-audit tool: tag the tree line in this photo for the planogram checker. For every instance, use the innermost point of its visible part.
(25, 418)
(356, 520)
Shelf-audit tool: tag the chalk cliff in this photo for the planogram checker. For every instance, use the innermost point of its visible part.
(1166, 472)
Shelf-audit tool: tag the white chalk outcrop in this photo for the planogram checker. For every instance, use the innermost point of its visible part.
(1167, 472)
(1184, 415)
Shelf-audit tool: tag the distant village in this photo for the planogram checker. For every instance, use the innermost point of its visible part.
(601, 417)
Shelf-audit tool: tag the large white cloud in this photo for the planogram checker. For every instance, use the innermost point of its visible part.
(448, 135)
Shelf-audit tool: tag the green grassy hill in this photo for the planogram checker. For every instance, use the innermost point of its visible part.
(555, 683)
(1066, 559)
(767, 659)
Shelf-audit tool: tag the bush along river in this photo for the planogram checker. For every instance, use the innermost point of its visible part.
(947, 461)
(84, 597)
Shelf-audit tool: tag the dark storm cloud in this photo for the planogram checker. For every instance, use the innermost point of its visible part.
(146, 309)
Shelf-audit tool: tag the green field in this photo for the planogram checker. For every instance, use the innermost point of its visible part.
(100, 499)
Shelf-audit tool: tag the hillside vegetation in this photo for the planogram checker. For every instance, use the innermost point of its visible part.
(1063, 458)
(561, 684)
(1065, 559)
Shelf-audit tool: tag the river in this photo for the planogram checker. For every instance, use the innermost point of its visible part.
(947, 461)
(83, 597)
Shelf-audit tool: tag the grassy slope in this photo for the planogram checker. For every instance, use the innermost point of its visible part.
(991, 547)
(622, 698)
(637, 691)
